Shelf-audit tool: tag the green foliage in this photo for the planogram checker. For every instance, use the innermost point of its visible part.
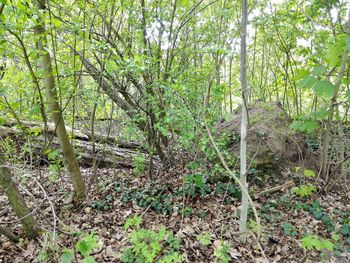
(304, 190)
(345, 229)
(228, 188)
(195, 184)
(304, 125)
(187, 211)
(309, 173)
(56, 163)
(87, 245)
(133, 222)
(204, 239)
(253, 225)
(139, 163)
(67, 256)
(315, 242)
(149, 245)
(155, 198)
(319, 214)
(307, 82)
(47, 253)
(288, 229)
(89, 259)
(324, 88)
(221, 253)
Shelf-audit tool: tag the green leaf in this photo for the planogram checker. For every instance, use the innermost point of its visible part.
(308, 242)
(89, 259)
(134, 221)
(307, 82)
(327, 245)
(345, 229)
(67, 256)
(348, 95)
(309, 173)
(204, 239)
(300, 74)
(34, 110)
(320, 115)
(347, 43)
(336, 237)
(87, 245)
(324, 88)
(304, 125)
(319, 70)
(334, 52)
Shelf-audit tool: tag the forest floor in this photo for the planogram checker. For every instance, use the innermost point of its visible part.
(185, 210)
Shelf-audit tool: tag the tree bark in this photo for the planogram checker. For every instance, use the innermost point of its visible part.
(244, 125)
(325, 166)
(16, 201)
(11, 236)
(55, 110)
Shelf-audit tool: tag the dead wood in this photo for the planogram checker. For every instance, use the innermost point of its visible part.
(108, 152)
(276, 189)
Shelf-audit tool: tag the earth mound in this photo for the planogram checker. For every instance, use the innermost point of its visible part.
(270, 143)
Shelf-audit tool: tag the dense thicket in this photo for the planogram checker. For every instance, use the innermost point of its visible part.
(156, 74)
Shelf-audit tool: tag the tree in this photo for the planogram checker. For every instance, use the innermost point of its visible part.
(54, 107)
(244, 123)
(16, 201)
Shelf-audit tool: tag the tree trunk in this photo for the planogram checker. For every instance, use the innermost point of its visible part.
(16, 201)
(56, 113)
(333, 104)
(11, 236)
(244, 125)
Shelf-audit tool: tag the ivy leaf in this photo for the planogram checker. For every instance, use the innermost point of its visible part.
(345, 229)
(324, 88)
(307, 82)
(67, 256)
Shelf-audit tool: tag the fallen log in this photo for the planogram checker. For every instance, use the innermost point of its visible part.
(108, 152)
(8, 128)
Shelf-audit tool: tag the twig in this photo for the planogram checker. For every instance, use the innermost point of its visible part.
(275, 189)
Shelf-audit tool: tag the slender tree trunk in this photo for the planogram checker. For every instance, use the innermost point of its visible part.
(55, 110)
(230, 84)
(16, 201)
(11, 236)
(244, 123)
(327, 133)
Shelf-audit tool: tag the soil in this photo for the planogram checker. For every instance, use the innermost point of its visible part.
(271, 143)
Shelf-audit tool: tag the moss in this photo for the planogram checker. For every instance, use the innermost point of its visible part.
(256, 118)
(267, 106)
